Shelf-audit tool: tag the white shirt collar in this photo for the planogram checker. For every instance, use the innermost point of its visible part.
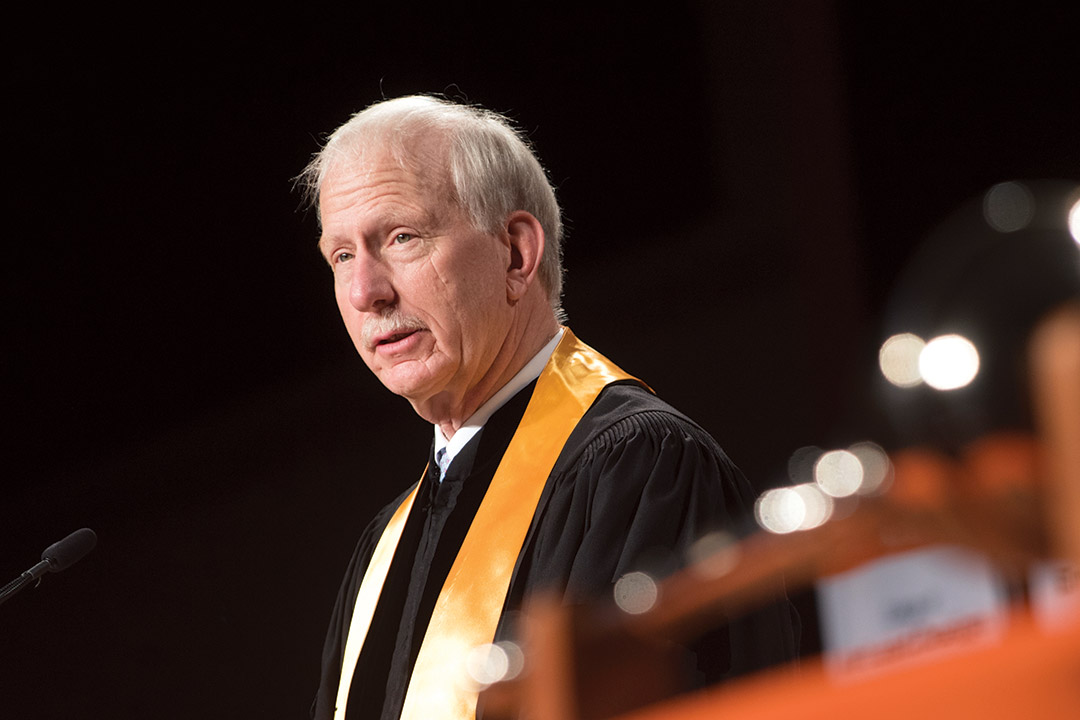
(476, 421)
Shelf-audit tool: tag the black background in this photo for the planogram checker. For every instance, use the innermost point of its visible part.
(743, 185)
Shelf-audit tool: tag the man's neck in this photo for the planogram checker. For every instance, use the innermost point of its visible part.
(449, 417)
(478, 420)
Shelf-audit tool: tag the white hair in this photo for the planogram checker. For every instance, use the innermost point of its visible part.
(492, 170)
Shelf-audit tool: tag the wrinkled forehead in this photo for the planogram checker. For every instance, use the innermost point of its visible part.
(378, 178)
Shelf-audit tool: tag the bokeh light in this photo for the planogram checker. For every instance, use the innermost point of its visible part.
(839, 473)
(1074, 221)
(636, 593)
(487, 664)
(788, 509)
(1008, 207)
(899, 359)
(817, 506)
(715, 554)
(494, 662)
(801, 464)
(780, 510)
(949, 362)
(876, 466)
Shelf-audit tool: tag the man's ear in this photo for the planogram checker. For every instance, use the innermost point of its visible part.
(525, 236)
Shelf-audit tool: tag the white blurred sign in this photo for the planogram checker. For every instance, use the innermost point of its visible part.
(1054, 588)
(909, 607)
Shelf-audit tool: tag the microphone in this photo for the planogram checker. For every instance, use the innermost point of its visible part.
(62, 555)
(58, 556)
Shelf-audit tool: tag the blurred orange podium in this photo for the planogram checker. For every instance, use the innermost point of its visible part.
(1013, 498)
(1032, 673)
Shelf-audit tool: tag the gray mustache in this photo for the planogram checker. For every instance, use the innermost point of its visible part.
(391, 322)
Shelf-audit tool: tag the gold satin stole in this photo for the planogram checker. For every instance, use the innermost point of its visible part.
(470, 603)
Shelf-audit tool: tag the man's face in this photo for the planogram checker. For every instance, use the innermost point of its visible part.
(423, 293)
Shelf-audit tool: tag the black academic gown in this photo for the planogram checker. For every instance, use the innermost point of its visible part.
(635, 485)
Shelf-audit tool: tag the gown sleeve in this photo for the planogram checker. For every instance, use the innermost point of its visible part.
(638, 497)
(640, 494)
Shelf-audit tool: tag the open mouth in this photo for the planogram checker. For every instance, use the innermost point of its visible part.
(395, 337)
(390, 333)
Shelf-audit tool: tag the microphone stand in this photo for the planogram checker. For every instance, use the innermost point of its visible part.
(58, 556)
(25, 579)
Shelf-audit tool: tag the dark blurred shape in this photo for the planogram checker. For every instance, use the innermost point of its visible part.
(989, 273)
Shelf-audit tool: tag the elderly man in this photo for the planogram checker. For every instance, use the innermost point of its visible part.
(550, 469)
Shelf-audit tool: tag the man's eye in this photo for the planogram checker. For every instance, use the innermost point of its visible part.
(342, 257)
(402, 238)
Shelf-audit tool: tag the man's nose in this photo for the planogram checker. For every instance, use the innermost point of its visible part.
(370, 286)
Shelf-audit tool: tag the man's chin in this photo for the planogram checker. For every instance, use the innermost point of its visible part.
(417, 388)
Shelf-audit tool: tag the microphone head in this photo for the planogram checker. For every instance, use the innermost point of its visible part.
(62, 555)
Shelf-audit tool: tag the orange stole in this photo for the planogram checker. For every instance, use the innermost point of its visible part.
(470, 603)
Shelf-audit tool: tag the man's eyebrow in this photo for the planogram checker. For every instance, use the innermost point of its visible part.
(423, 219)
(323, 245)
